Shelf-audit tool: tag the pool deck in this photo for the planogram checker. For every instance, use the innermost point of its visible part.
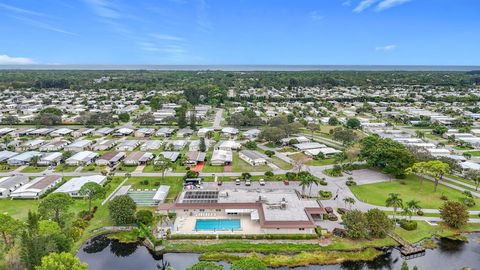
(186, 224)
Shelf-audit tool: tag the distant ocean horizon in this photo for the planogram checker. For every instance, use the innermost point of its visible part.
(246, 67)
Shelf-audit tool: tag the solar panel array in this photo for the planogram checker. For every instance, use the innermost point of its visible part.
(200, 196)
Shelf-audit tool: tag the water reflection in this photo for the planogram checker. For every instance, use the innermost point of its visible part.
(450, 254)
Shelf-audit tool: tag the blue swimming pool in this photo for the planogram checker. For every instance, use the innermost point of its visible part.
(217, 224)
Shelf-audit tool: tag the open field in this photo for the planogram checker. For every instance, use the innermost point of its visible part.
(409, 189)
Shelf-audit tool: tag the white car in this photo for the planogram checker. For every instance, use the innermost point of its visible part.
(248, 182)
(237, 182)
(262, 182)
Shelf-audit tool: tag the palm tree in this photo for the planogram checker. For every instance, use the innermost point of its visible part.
(394, 201)
(313, 181)
(413, 206)
(350, 201)
(163, 164)
(407, 212)
(304, 182)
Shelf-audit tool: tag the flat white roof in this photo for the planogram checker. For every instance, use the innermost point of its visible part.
(75, 184)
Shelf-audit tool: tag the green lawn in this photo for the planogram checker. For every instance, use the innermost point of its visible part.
(93, 168)
(65, 168)
(239, 165)
(299, 156)
(462, 148)
(123, 168)
(175, 183)
(212, 169)
(321, 162)
(409, 189)
(7, 168)
(474, 153)
(281, 163)
(34, 169)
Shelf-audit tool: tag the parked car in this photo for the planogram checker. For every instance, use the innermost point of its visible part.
(262, 182)
(329, 210)
(219, 183)
(237, 182)
(285, 182)
(248, 182)
(348, 172)
(332, 217)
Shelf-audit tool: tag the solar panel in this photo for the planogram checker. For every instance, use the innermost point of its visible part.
(200, 196)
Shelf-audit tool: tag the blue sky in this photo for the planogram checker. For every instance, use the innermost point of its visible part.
(321, 32)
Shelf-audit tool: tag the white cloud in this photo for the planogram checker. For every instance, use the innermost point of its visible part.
(167, 37)
(386, 4)
(9, 60)
(21, 10)
(316, 16)
(347, 3)
(103, 8)
(386, 48)
(364, 4)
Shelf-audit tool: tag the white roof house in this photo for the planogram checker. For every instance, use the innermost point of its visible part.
(61, 132)
(202, 132)
(327, 151)
(110, 158)
(161, 194)
(468, 165)
(81, 158)
(253, 157)
(103, 131)
(176, 145)
(128, 145)
(36, 187)
(4, 155)
(32, 144)
(138, 157)
(50, 158)
(173, 156)
(151, 145)
(11, 183)
(195, 145)
(73, 186)
(78, 146)
(124, 131)
(23, 158)
(103, 145)
(308, 145)
(228, 145)
(230, 131)
(221, 157)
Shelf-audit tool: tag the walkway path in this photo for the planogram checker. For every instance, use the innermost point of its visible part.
(218, 119)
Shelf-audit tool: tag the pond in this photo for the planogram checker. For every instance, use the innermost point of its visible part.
(102, 253)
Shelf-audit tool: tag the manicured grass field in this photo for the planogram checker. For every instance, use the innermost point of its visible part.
(7, 168)
(34, 169)
(281, 163)
(321, 162)
(123, 168)
(239, 165)
(474, 153)
(175, 183)
(409, 189)
(212, 169)
(65, 168)
(93, 168)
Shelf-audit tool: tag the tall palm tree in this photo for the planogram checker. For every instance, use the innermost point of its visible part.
(163, 164)
(304, 183)
(350, 201)
(394, 201)
(413, 206)
(313, 181)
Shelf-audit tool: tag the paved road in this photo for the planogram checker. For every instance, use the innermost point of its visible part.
(218, 119)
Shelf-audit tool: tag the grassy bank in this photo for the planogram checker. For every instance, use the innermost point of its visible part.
(299, 259)
(409, 188)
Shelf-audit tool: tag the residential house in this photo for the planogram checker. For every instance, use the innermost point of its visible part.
(81, 158)
(103, 145)
(103, 131)
(184, 132)
(176, 145)
(194, 157)
(61, 132)
(151, 145)
(138, 158)
(173, 156)
(73, 186)
(9, 184)
(35, 188)
(23, 158)
(221, 157)
(165, 132)
(195, 145)
(202, 132)
(144, 132)
(110, 158)
(77, 146)
(82, 132)
(31, 145)
(128, 145)
(4, 155)
(124, 131)
(251, 133)
(48, 159)
(253, 157)
(228, 145)
(55, 145)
